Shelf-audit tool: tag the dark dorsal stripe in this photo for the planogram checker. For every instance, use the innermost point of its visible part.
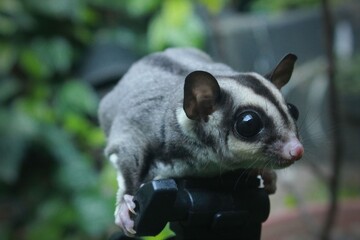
(170, 65)
(261, 89)
(167, 64)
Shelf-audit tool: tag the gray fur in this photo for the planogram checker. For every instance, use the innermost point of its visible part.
(140, 117)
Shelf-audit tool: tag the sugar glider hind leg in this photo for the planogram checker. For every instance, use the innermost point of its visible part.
(124, 204)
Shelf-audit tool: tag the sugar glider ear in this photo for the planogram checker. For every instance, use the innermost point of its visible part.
(283, 71)
(201, 94)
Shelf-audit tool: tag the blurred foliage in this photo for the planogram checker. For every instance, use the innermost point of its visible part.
(345, 80)
(53, 180)
(176, 24)
(281, 5)
(290, 201)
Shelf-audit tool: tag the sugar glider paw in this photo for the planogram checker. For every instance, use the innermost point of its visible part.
(128, 199)
(123, 215)
(269, 177)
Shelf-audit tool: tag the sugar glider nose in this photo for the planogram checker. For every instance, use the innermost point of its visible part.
(293, 150)
(296, 152)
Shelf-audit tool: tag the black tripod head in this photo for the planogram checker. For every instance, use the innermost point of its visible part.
(230, 206)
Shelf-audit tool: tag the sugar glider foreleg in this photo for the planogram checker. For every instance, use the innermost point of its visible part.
(177, 114)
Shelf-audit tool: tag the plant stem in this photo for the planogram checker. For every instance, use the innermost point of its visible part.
(335, 121)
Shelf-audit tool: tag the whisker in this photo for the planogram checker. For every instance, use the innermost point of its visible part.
(246, 172)
(303, 119)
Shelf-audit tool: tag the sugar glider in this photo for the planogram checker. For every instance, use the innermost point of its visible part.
(178, 113)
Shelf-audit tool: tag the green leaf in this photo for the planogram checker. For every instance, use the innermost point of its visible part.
(176, 12)
(83, 34)
(8, 88)
(109, 4)
(8, 56)
(44, 230)
(10, 6)
(19, 18)
(85, 130)
(76, 96)
(95, 137)
(138, 8)
(118, 35)
(214, 6)
(52, 218)
(88, 15)
(290, 201)
(7, 26)
(12, 147)
(5, 230)
(56, 210)
(75, 172)
(282, 5)
(176, 25)
(36, 108)
(95, 214)
(69, 9)
(61, 54)
(164, 234)
(44, 57)
(107, 180)
(33, 65)
(16, 130)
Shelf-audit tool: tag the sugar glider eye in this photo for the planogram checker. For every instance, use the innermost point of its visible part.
(293, 111)
(248, 124)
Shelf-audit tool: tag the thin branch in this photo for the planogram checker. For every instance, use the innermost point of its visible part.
(335, 119)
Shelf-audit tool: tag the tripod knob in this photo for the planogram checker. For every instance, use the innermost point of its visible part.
(154, 203)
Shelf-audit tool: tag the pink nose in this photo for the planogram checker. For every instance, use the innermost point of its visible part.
(293, 150)
(296, 152)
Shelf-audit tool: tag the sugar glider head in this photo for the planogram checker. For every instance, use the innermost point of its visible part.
(247, 116)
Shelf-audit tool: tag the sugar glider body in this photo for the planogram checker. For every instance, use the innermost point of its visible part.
(177, 113)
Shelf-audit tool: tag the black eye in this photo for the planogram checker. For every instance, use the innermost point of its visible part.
(248, 124)
(293, 111)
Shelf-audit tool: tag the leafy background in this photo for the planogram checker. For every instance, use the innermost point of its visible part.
(54, 182)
